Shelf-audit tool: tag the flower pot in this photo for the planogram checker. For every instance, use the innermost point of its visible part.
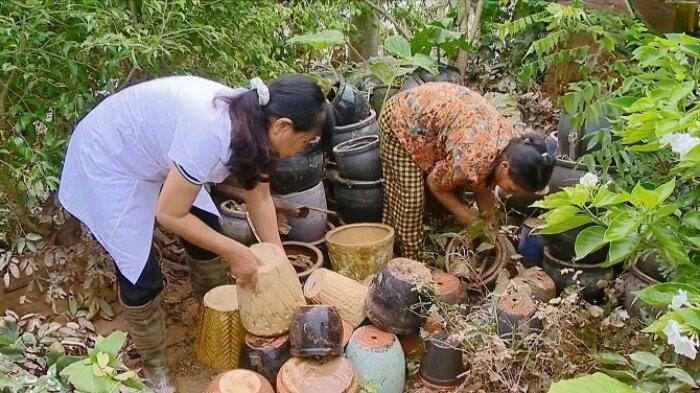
(579, 147)
(446, 73)
(347, 333)
(239, 381)
(311, 227)
(265, 355)
(316, 331)
(381, 94)
(348, 296)
(219, 334)
(562, 246)
(636, 281)
(358, 159)
(393, 302)
(358, 201)
(481, 271)
(299, 172)
(308, 375)
(304, 257)
(235, 224)
(358, 250)
(267, 310)
(342, 133)
(378, 359)
(515, 315)
(652, 266)
(368, 280)
(442, 364)
(591, 277)
(412, 345)
(531, 247)
(349, 103)
(539, 285)
(450, 289)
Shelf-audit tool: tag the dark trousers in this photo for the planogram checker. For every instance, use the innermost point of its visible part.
(150, 282)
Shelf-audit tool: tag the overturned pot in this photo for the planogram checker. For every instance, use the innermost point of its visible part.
(349, 103)
(316, 331)
(441, 366)
(358, 159)
(304, 257)
(265, 355)
(299, 172)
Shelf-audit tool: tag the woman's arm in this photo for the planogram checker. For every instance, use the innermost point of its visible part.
(173, 212)
(262, 212)
(448, 199)
(487, 205)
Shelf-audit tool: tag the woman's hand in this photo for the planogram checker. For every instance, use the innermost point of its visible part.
(244, 266)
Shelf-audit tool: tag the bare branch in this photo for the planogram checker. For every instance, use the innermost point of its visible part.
(405, 33)
(477, 20)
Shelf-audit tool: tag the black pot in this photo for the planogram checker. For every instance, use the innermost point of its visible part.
(581, 146)
(358, 201)
(441, 365)
(366, 127)
(316, 331)
(446, 73)
(562, 246)
(411, 82)
(349, 103)
(265, 355)
(379, 94)
(358, 159)
(565, 274)
(299, 172)
(652, 266)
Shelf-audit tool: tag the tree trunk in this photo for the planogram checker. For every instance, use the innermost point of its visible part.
(366, 42)
(463, 19)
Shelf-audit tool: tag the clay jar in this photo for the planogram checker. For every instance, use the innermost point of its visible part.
(378, 358)
(265, 355)
(515, 315)
(308, 375)
(240, 381)
(359, 250)
(316, 331)
(442, 364)
(393, 303)
(450, 289)
(567, 274)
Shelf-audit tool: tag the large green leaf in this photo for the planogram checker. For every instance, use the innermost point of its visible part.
(647, 197)
(691, 316)
(610, 358)
(398, 46)
(425, 62)
(621, 226)
(589, 240)
(643, 360)
(662, 294)
(565, 225)
(680, 92)
(692, 218)
(621, 249)
(669, 245)
(383, 71)
(664, 191)
(681, 376)
(80, 374)
(595, 383)
(111, 344)
(321, 40)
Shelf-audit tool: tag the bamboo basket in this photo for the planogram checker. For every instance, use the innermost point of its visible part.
(220, 333)
(347, 295)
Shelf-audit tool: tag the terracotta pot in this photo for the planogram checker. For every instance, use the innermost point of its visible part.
(359, 201)
(305, 258)
(412, 345)
(442, 362)
(589, 278)
(450, 289)
(342, 133)
(358, 159)
(540, 286)
(300, 172)
(358, 250)
(393, 302)
(219, 333)
(316, 331)
(432, 323)
(480, 274)
(313, 226)
(349, 103)
(347, 333)
(562, 246)
(515, 313)
(265, 355)
(239, 381)
(308, 375)
(348, 296)
(267, 310)
(531, 247)
(636, 281)
(235, 224)
(378, 358)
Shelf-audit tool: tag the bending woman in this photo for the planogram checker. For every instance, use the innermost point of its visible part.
(445, 137)
(144, 153)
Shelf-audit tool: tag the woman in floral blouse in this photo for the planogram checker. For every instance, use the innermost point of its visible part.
(445, 137)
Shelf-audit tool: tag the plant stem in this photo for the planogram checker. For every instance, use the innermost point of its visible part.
(405, 33)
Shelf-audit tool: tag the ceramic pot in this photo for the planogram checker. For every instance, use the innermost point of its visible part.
(348, 296)
(316, 331)
(590, 279)
(267, 310)
(562, 246)
(380, 95)
(342, 133)
(311, 227)
(442, 363)
(219, 333)
(304, 257)
(531, 247)
(265, 355)
(358, 159)
(393, 302)
(239, 381)
(299, 172)
(368, 280)
(235, 224)
(540, 286)
(349, 103)
(446, 73)
(515, 315)
(636, 281)
(652, 266)
(347, 333)
(378, 358)
(579, 147)
(308, 375)
(359, 201)
(358, 250)
(482, 274)
(450, 289)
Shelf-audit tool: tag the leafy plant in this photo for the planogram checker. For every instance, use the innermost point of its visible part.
(597, 382)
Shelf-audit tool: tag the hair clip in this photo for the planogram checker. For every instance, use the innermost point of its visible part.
(261, 88)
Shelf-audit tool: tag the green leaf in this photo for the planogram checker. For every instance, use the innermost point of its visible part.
(680, 375)
(605, 198)
(621, 249)
(692, 218)
(589, 240)
(321, 40)
(643, 360)
(621, 102)
(111, 344)
(646, 197)
(102, 359)
(610, 358)
(680, 92)
(669, 245)
(578, 195)
(425, 62)
(662, 294)
(691, 316)
(563, 226)
(597, 382)
(650, 387)
(621, 226)
(383, 71)
(398, 46)
(664, 191)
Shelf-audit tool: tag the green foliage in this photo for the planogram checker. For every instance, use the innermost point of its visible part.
(597, 382)
(320, 40)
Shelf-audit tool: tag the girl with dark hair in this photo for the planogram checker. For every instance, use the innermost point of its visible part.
(445, 137)
(145, 152)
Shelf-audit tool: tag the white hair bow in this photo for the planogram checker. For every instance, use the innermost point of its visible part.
(261, 88)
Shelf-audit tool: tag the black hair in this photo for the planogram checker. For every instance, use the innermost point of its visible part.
(530, 165)
(296, 97)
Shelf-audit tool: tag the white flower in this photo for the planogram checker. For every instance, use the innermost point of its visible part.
(680, 143)
(589, 179)
(672, 330)
(679, 300)
(682, 345)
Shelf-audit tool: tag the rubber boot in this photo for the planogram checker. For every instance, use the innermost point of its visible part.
(147, 328)
(205, 275)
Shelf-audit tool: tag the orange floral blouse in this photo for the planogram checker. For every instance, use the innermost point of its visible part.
(450, 130)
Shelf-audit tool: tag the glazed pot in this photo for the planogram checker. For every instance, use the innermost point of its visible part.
(313, 226)
(359, 201)
(358, 159)
(515, 315)
(531, 246)
(316, 331)
(235, 224)
(358, 250)
(308, 375)
(380, 95)
(366, 127)
(449, 288)
(562, 246)
(446, 73)
(265, 355)
(240, 381)
(378, 358)
(348, 296)
(652, 266)
(565, 274)
(442, 364)
(304, 257)
(579, 147)
(393, 302)
(477, 273)
(299, 172)
(219, 334)
(349, 103)
(636, 281)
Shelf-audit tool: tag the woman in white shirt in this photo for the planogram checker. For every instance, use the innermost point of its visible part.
(144, 152)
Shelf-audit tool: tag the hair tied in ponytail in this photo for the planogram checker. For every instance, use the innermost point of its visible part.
(261, 88)
(547, 158)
